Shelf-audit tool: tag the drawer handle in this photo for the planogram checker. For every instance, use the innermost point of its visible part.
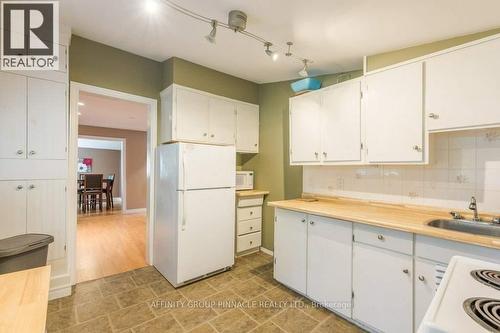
(380, 237)
(421, 278)
(406, 271)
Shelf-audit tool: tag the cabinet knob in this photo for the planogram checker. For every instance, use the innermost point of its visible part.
(303, 221)
(406, 271)
(251, 242)
(205, 134)
(31, 187)
(255, 145)
(251, 213)
(324, 154)
(212, 135)
(251, 228)
(421, 278)
(311, 222)
(316, 154)
(417, 148)
(433, 116)
(32, 152)
(380, 237)
(20, 187)
(20, 152)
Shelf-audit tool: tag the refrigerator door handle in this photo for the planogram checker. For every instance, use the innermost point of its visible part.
(183, 223)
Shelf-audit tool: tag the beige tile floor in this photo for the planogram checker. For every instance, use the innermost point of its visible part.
(245, 299)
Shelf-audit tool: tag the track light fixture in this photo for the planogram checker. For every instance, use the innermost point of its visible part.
(213, 33)
(303, 72)
(274, 55)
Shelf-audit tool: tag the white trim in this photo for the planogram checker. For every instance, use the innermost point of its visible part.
(434, 54)
(59, 292)
(135, 211)
(266, 251)
(75, 88)
(364, 64)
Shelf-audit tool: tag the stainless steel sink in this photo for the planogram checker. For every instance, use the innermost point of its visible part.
(471, 227)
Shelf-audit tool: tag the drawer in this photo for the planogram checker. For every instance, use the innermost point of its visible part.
(250, 201)
(385, 238)
(247, 242)
(249, 213)
(245, 227)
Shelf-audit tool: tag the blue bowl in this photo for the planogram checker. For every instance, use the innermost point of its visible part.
(306, 84)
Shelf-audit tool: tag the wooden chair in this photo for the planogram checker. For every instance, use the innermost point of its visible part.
(108, 190)
(92, 191)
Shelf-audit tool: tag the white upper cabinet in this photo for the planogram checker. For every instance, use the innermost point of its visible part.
(222, 121)
(12, 116)
(247, 128)
(47, 119)
(394, 115)
(195, 116)
(462, 87)
(305, 134)
(192, 116)
(290, 249)
(341, 122)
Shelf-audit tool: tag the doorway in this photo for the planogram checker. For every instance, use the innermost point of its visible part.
(113, 233)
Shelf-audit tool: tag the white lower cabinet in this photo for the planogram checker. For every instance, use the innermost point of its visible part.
(382, 285)
(290, 249)
(329, 263)
(35, 206)
(425, 287)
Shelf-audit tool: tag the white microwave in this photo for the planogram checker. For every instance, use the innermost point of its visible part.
(244, 180)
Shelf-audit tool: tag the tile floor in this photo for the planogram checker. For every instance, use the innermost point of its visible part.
(245, 299)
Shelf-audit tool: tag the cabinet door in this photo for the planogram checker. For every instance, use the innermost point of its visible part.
(222, 122)
(341, 122)
(425, 287)
(394, 115)
(247, 128)
(329, 263)
(13, 207)
(47, 213)
(191, 116)
(47, 121)
(462, 87)
(290, 247)
(12, 116)
(382, 285)
(305, 129)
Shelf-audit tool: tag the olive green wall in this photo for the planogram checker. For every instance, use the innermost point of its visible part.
(108, 67)
(188, 74)
(389, 58)
(271, 165)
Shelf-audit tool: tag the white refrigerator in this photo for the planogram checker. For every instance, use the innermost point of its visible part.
(194, 211)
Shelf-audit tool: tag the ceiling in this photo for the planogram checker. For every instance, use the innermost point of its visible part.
(335, 34)
(104, 111)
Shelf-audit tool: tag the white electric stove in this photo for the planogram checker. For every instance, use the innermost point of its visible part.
(467, 300)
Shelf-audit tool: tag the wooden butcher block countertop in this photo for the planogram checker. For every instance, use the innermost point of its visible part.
(23, 300)
(250, 193)
(398, 217)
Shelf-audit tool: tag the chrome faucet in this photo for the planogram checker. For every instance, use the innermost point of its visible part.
(473, 207)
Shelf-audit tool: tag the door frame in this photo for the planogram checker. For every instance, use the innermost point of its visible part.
(152, 139)
(123, 165)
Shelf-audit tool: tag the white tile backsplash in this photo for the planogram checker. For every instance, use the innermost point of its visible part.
(462, 164)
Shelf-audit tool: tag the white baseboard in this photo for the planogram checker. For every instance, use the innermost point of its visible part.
(136, 211)
(266, 251)
(59, 292)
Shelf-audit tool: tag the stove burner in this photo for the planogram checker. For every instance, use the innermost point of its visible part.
(485, 311)
(487, 277)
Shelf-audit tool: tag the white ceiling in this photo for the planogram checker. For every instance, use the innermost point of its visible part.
(99, 144)
(336, 34)
(104, 111)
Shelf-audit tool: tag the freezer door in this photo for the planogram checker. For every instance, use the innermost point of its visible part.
(206, 166)
(206, 232)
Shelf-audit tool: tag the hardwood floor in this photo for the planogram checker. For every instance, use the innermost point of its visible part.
(109, 243)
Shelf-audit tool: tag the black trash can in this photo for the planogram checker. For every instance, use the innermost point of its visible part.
(24, 252)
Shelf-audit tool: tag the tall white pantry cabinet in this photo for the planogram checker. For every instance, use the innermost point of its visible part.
(34, 161)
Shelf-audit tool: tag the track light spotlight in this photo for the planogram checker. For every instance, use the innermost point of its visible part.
(274, 55)
(303, 72)
(213, 33)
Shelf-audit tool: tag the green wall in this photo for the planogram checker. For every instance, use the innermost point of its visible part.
(195, 76)
(271, 165)
(108, 67)
(389, 58)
